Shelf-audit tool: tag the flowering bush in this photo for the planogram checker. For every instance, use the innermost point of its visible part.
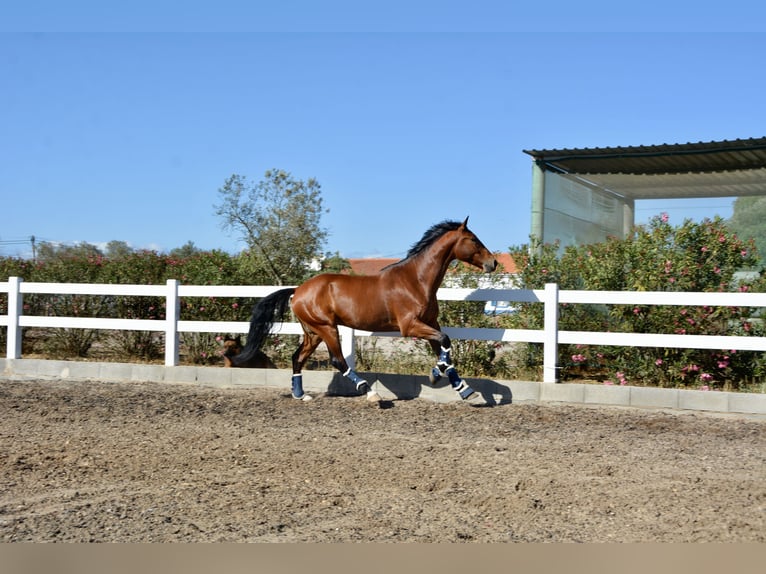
(207, 268)
(139, 267)
(656, 257)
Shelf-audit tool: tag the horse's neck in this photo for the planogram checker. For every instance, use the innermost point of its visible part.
(431, 266)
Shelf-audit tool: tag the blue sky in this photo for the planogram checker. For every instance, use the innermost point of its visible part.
(122, 126)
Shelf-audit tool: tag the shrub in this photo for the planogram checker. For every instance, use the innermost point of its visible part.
(656, 257)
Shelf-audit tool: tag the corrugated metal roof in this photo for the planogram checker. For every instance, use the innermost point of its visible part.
(704, 169)
(702, 157)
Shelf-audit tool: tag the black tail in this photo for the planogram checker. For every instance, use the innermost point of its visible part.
(265, 314)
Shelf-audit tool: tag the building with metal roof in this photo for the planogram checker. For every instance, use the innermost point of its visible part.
(585, 195)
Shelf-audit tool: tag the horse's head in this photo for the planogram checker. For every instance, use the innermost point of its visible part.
(470, 249)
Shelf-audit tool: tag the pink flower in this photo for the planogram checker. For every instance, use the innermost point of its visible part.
(664, 218)
(658, 362)
(743, 253)
(608, 383)
(704, 249)
(704, 388)
(706, 377)
(578, 358)
(235, 305)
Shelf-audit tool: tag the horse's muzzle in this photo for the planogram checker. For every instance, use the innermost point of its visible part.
(490, 265)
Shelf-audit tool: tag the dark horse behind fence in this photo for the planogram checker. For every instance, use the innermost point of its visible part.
(401, 297)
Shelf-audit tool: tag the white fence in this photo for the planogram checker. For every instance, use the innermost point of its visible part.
(549, 336)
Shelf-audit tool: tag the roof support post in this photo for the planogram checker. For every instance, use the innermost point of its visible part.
(538, 200)
(628, 216)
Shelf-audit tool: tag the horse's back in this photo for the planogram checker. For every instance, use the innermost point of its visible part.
(358, 301)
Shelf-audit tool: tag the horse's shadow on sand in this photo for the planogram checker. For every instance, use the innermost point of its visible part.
(408, 387)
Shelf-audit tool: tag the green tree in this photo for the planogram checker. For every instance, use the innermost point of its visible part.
(48, 251)
(749, 221)
(279, 220)
(118, 249)
(334, 263)
(187, 250)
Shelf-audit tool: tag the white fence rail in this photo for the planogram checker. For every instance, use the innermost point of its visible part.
(550, 297)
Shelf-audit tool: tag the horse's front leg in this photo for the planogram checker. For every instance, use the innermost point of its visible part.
(442, 346)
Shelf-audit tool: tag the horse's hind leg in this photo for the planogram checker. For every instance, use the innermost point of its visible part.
(308, 345)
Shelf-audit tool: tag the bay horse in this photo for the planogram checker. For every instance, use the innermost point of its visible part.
(400, 297)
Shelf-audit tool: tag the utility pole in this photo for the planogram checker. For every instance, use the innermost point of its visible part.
(34, 251)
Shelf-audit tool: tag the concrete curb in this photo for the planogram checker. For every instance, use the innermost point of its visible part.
(391, 387)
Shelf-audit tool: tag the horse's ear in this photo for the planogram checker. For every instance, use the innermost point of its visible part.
(465, 223)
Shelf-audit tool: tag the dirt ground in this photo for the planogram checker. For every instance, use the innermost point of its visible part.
(141, 462)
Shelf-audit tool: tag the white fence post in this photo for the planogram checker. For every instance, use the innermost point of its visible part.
(551, 334)
(348, 345)
(15, 309)
(172, 312)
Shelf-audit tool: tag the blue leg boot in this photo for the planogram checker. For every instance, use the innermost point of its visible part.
(297, 388)
(458, 384)
(442, 365)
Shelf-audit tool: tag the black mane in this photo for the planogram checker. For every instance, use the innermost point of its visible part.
(433, 233)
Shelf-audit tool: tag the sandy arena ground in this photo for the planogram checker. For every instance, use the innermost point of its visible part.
(144, 462)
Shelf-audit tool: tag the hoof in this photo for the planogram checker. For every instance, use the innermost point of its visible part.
(465, 392)
(373, 397)
(476, 400)
(304, 397)
(363, 387)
